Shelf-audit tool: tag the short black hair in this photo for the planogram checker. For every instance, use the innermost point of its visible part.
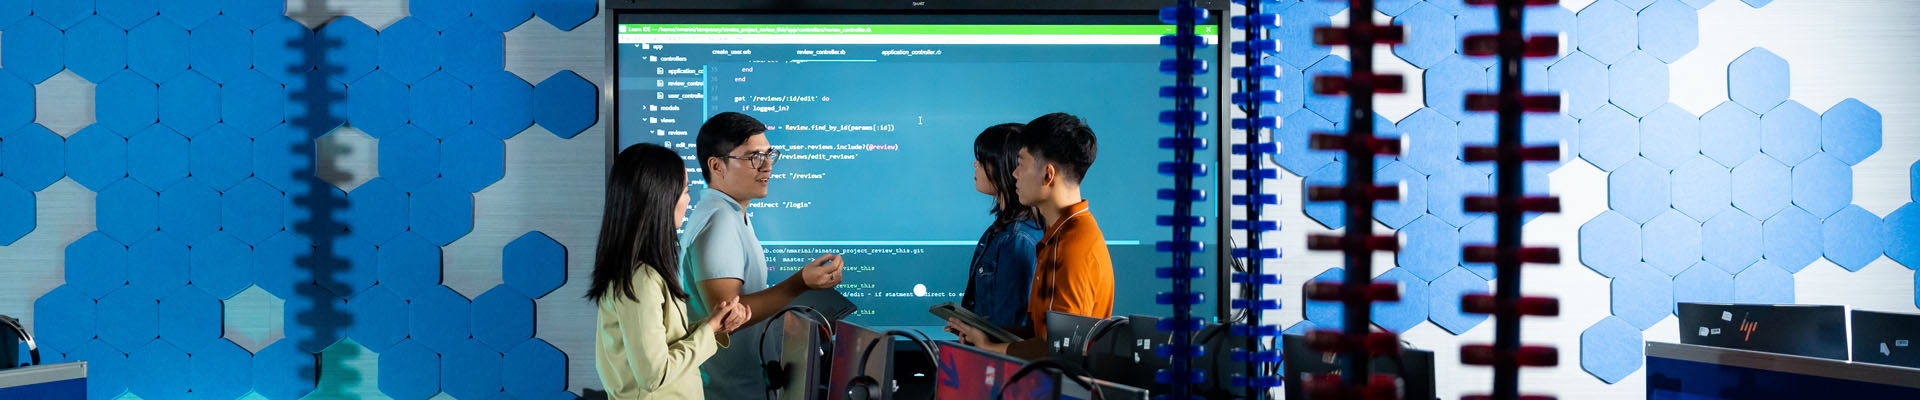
(1063, 139)
(720, 134)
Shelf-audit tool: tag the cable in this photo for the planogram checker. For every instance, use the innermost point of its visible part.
(1069, 371)
(769, 370)
(1099, 328)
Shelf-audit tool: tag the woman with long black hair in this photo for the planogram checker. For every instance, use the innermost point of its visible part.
(646, 347)
(1002, 267)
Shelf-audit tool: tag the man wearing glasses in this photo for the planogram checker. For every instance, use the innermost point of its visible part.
(720, 251)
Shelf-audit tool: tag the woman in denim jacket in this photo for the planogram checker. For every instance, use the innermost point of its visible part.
(1002, 267)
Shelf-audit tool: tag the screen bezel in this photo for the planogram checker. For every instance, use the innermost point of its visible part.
(1219, 142)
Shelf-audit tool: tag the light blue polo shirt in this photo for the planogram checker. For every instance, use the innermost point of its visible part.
(717, 242)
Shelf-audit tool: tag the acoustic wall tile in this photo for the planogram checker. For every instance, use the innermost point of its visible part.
(96, 49)
(154, 371)
(1850, 131)
(502, 104)
(409, 265)
(1583, 80)
(1761, 186)
(108, 369)
(220, 265)
(1447, 85)
(1731, 241)
(280, 264)
(1672, 242)
(1702, 188)
(1325, 314)
(1413, 197)
(217, 49)
(1639, 190)
(192, 320)
(474, 51)
(352, 48)
(1445, 307)
(1822, 185)
(379, 319)
(534, 264)
(252, 103)
(566, 104)
(1610, 244)
(440, 318)
(16, 211)
(352, 265)
(283, 371)
(1733, 131)
(1430, 35)
(220, 370)
(440, 14)
(1902, 247)
(63, 319)
(1447, 190)
(410, 50)
(157, 157)
(1790, 133)
(482, 160)
(440, 213)
(1412, 308)
(1330, 214)
(156, 266)
(1669, 29)
(502, 15)
(315, 318)
(1607, 30)
(1792, 239)
(502, 318)
(134, 102)
(1702, 283)
(1432, 248)
(409, 371)
(1854, 237)
(1669, 136)
(1611, 349)
(533, 369)
(253, 14)
(220, 158)
(96, 264)
(127, 13)
(1637, 83)
(316, 102)
(565, 14)
(190, 13)
(281, 48)
(251, 211)
(441, 105)
(128, 319)
(16, 102)
(1758, 80)
(1609, 138)
(377, 104)
(471, 370)
(192, 102)
(126, 211)
(1293, 134)
(33, 157)
(1433, 141)
(1763, 283)
(33, 49)
(1642, 296)
(376, 211)
(283, 157)
(157, 49)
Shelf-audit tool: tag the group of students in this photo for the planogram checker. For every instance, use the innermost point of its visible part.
(669, 303)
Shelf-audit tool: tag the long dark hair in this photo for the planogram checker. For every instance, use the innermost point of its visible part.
(998, 151)
(637, 225)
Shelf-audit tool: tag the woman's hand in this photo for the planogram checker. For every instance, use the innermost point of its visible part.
(974, 337)
(729, 315)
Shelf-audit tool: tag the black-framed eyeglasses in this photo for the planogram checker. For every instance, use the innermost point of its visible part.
(759, 159)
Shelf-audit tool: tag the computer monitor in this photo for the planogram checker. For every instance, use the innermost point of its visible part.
(1125, 353)
(1805, 330)
(1414, 367)
(967, 372)
(1067, 336)
(849, 339)
(1220, 343)
(875, 104)
(804, 358)
(1886, 338)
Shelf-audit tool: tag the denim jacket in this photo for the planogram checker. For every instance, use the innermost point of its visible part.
(1001, 274)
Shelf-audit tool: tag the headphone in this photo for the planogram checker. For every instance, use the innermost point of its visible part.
(1071, 372)
(775, 374)
(866, 387)
(32, 349)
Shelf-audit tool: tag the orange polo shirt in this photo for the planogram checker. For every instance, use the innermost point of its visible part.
(1074, 274)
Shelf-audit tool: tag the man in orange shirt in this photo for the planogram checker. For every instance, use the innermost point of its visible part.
(1074, 273)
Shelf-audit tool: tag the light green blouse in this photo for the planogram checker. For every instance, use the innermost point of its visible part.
(644, 349)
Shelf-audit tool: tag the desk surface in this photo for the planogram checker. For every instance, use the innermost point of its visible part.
(1792, 364)
(14, 377)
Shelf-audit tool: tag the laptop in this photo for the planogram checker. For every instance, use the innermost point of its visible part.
(1886, 338)
(1414, 367)
(1803, 330)
(1067, 336)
